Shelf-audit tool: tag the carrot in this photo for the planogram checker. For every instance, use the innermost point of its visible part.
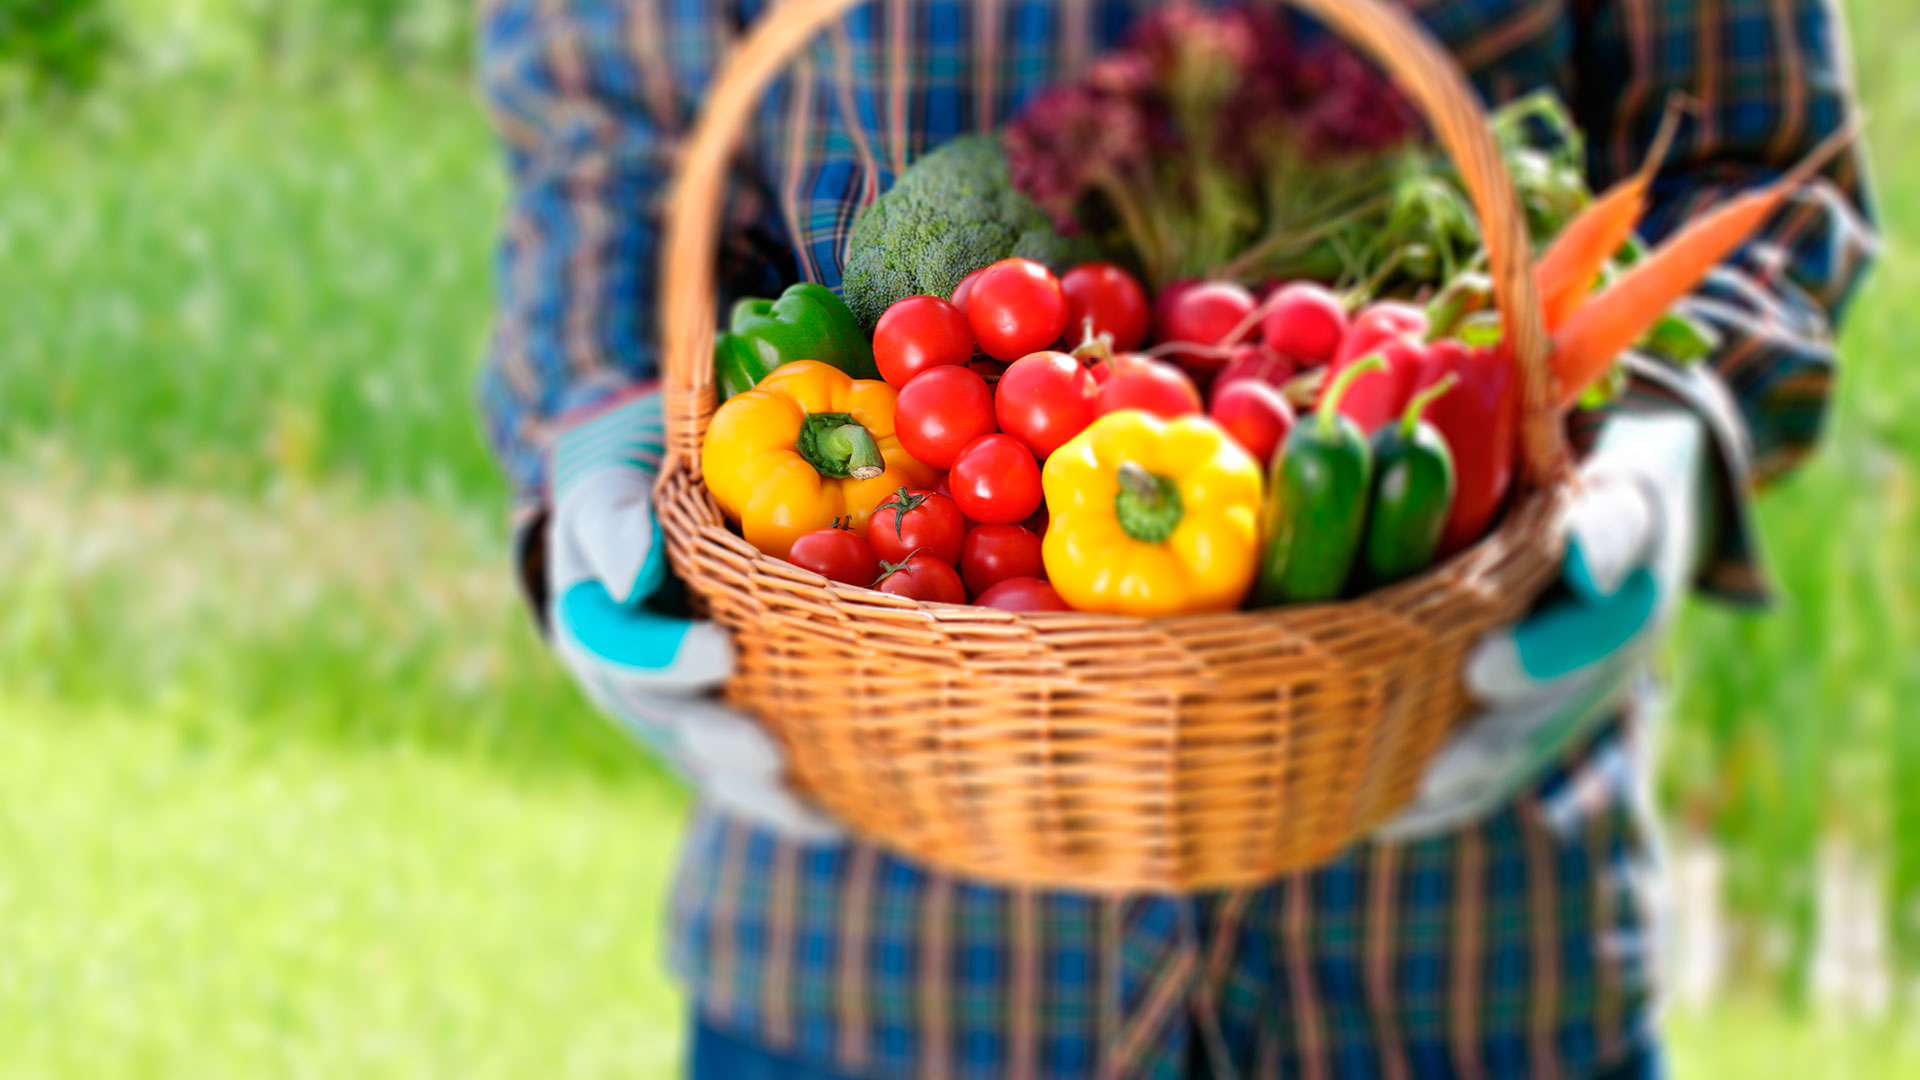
(1611, 322)
(1567, 271)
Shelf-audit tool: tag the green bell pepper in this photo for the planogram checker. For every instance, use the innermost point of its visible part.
(1317, 501)
(807, 322)
(1412, 492)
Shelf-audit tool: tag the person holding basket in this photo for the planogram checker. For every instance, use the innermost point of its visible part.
(1500, 926)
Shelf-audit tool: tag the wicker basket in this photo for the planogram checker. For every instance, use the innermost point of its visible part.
(1091, 751)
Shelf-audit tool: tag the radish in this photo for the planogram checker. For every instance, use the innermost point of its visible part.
(1259, 363)
(1255, 414)
(1306, 322)
(1378, 323)
(1201, 314)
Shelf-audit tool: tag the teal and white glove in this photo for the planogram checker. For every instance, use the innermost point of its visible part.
(651, 672)
(1545, 683)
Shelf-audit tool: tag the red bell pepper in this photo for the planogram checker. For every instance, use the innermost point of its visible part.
(1480, 420)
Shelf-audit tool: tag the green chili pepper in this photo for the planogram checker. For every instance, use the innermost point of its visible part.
(807, 322)
(1317, 501)
(1413, 488)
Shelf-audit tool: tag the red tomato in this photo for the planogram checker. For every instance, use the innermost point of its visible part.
(917, 333)
(1306, 322)
(996, 481)
(913, 521)
(1255, 414)
(994, 553)
(838, 554)
(1203, 314)
(941, 410)
(1016, 307)
(1044, 399)
(1111, 299)
(1256, 362)
(922, 577)
(1022, 594)
(963, 290)
(1140, 382)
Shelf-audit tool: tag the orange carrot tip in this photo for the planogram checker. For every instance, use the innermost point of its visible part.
(1573, 263)
(1608, 324)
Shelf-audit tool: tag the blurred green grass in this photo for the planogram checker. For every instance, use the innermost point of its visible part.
(186, 893)
(228, 284)
(288, 784)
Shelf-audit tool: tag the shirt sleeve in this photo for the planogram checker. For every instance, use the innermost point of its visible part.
(588, 139)
(1767, 81)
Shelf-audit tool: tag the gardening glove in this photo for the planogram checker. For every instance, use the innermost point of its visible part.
(651, 672)
(1544, 684)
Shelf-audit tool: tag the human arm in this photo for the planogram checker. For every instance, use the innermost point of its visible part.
(571, 406)
(1663, 502)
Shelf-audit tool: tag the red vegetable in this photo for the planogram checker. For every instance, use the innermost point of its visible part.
(1255, 414)
(1378, 399)
(1044, 399)
(917, 333)
(922, 577)
(1377, 323)
(965, 289)
(941, 410)
(1141, 382)
(839, 554)
(1108, 298)
(995, 481)
(1022, 594)
(1306, 322)
(913, 521)
(1480, 421)
(1016, 307)
(994, 553)
(1202, 314)
(1257, 362)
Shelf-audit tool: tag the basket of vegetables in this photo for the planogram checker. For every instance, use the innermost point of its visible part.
(1020, 601)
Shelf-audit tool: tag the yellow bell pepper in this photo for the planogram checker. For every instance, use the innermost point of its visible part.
(1152, 517)
(807, 445)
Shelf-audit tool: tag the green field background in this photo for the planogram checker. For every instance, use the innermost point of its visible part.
(289, 787)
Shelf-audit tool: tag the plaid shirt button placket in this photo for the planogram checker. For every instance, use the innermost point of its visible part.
(1515, 948)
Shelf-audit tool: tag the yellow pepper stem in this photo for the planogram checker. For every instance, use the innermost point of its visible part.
(1148, 505)
(837, 446)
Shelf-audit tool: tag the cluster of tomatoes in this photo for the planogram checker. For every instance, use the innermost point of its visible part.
(985, 395)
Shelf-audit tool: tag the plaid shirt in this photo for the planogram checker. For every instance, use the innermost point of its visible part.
(1518, 947)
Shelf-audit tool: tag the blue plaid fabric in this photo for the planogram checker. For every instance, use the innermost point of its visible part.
(1515, 948)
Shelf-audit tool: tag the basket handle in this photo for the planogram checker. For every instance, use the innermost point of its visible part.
(1423, 70)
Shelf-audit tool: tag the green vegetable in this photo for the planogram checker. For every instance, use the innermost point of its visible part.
(949, 214)
(1317, 501)
(1413, 487)
(807, 322)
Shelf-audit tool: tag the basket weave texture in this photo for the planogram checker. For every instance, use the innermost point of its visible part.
(1102, 752)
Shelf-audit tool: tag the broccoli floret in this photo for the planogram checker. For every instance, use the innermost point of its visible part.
(953, 212)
